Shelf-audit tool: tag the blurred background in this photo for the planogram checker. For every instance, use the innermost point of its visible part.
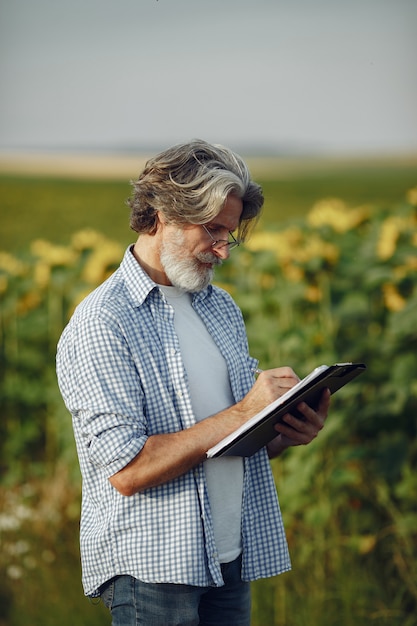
(270, 76)
(321, 99)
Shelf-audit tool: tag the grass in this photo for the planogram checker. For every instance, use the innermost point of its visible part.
(356, 183)
(50, 207)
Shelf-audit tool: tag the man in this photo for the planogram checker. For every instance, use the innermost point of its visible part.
(154, 368)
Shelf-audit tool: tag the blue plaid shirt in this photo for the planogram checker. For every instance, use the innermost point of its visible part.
(122, 378)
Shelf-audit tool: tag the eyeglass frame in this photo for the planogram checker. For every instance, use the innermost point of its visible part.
(219, 244)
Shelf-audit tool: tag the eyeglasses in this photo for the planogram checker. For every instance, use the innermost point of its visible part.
(219, 244)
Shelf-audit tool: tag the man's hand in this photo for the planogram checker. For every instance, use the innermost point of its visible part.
(295, 431)
(270, 385)
(167, 456)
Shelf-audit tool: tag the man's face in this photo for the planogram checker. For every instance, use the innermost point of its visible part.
(187, 256)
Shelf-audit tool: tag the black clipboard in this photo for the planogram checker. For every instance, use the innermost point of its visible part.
(259, 430)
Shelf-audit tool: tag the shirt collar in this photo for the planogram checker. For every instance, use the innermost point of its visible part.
(140, 284)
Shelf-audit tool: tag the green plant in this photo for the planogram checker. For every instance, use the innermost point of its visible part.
(339, 285)
(342, 286)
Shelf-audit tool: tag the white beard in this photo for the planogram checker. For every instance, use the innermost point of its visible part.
(183, 270)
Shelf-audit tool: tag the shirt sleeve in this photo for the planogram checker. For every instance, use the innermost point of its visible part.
(102, 390)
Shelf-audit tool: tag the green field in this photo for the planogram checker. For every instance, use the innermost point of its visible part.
(53, 208)
(314, 287)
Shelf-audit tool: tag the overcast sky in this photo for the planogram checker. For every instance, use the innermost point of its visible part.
(303, 75)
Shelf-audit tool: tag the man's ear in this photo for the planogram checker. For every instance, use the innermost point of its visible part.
(158, 223)
(160, 219)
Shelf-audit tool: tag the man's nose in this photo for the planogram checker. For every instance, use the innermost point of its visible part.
(222, 253)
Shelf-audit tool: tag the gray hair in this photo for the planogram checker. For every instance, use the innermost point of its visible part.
(189, 184)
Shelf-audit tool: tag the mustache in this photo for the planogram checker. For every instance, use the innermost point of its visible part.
(208, 257)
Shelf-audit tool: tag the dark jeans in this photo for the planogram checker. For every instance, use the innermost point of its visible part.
(134, 603)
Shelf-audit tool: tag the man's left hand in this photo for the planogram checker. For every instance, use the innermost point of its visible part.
(294, 431)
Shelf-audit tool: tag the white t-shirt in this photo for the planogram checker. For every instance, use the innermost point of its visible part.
(203, 361)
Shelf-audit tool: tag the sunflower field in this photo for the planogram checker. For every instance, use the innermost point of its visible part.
(336, 284)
